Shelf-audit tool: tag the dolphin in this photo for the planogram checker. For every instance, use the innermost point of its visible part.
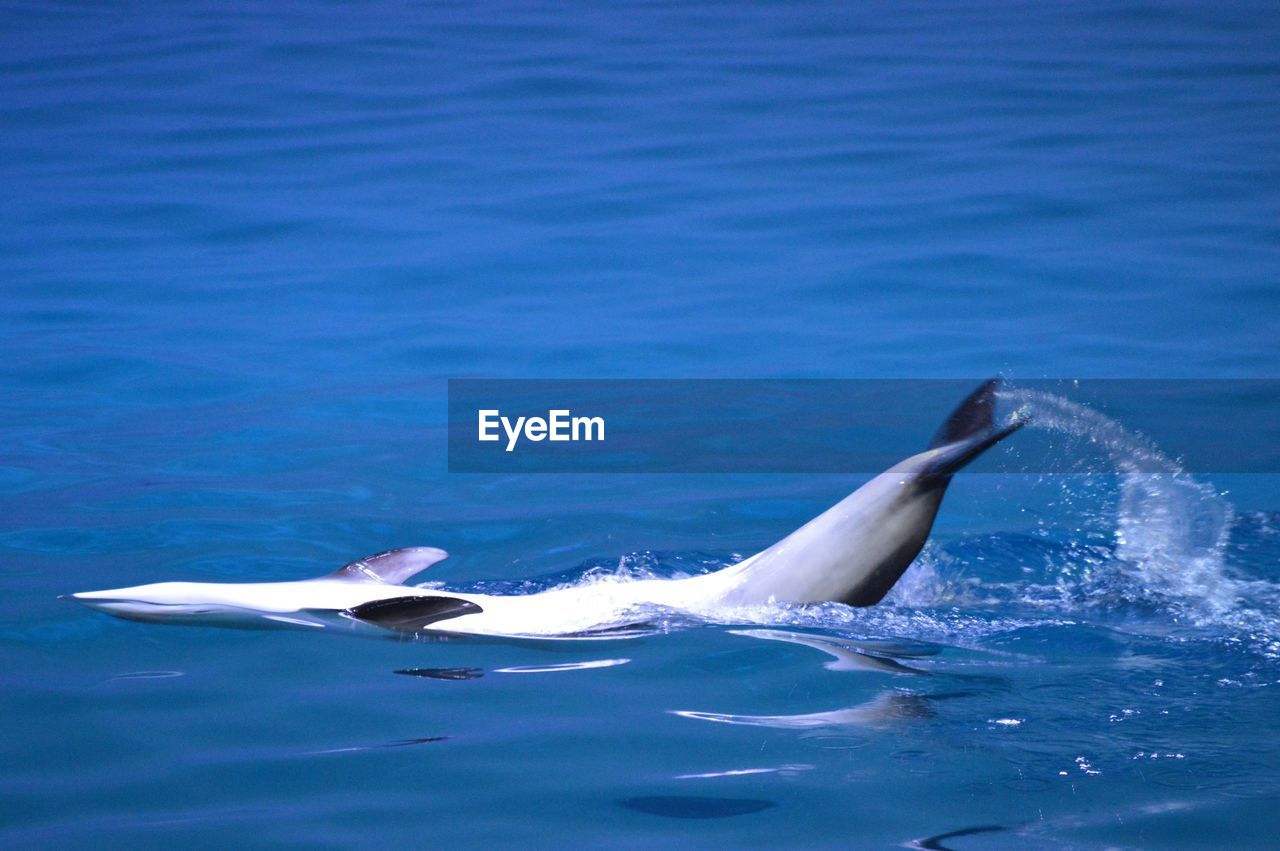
(853, 553)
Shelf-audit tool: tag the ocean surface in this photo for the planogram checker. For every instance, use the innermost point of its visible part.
(243, 247)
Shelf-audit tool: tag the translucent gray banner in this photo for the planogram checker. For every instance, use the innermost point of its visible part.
(846, 426)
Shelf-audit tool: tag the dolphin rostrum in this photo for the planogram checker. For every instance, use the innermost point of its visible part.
(852, 553)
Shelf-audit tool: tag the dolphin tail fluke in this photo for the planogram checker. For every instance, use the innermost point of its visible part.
(968, 432)
(972, 417)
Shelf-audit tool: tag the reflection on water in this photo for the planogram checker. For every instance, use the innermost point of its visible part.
(884, 710)
(695, 806)
(848, 655)
(936, 843)
(148, 675)
(562, 666)
(399, 743)
(443, 673)
(785, 770)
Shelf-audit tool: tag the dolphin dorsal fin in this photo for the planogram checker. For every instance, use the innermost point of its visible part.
(392, 567)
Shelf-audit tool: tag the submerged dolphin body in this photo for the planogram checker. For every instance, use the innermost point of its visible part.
(852, 553)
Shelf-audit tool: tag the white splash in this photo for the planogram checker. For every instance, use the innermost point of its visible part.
(1170, 531)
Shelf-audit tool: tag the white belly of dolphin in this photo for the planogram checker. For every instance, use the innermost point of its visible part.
(328, 603)
(852, 553)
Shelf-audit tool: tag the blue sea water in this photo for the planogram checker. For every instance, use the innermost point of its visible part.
(243, 247)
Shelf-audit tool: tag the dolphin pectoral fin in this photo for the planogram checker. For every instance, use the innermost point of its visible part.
(392, 567)
(411, 614)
